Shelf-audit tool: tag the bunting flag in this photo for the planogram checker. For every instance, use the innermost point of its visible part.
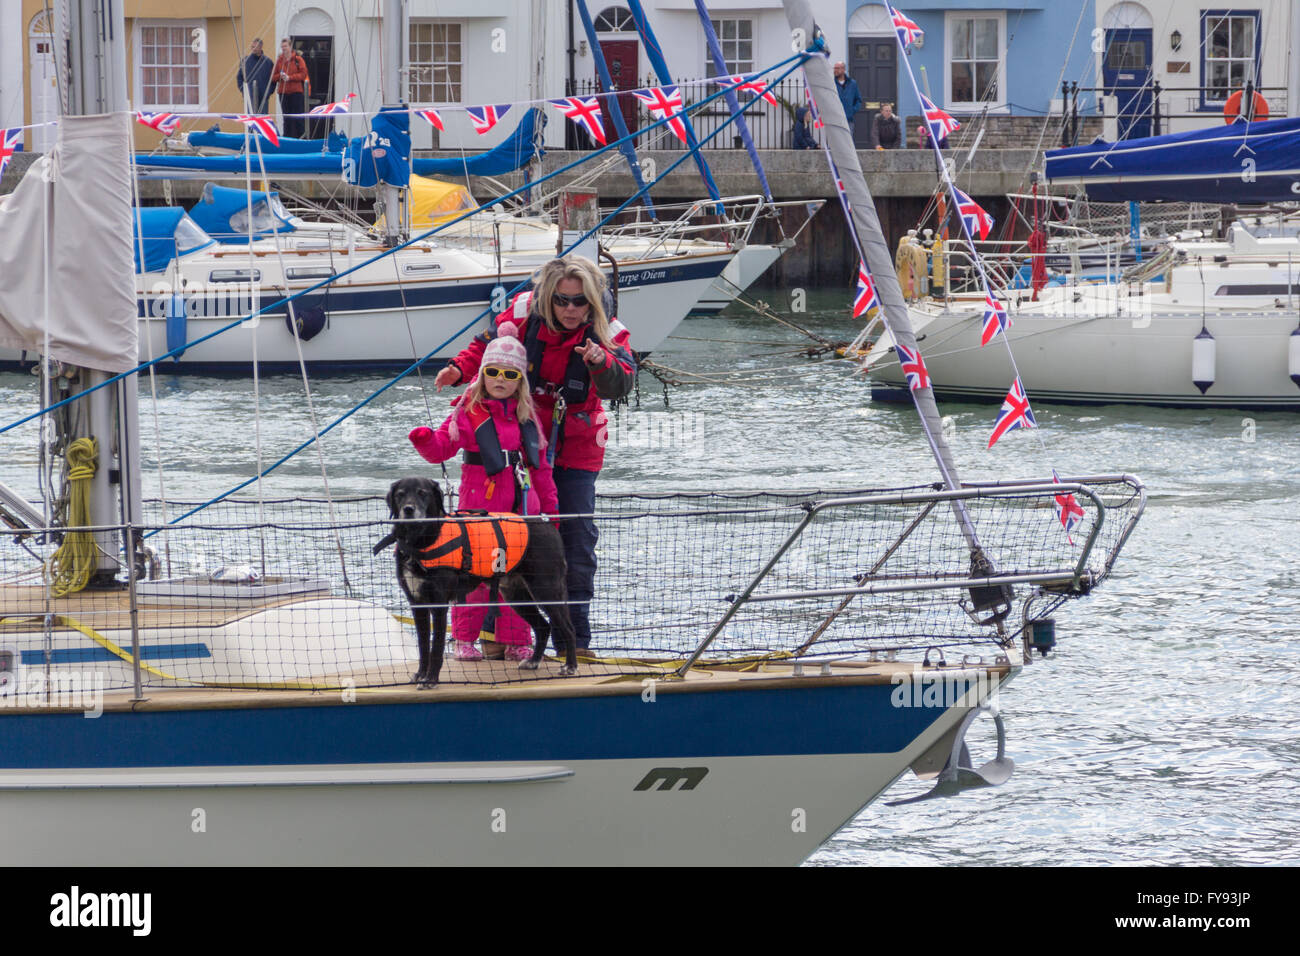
(908, 31)
(263, 124)
(664, 102)
(940, 123)
(918, 376)
(1015, 413)
(10, 140)
(995, 318)
(816, 116)
(1068, 511)
(329, 109)
(865, 299)
(584, 112)
(165, 123)
(485, 117)
(978, 222)
(839, 184)
(432, 116)
(757, 87)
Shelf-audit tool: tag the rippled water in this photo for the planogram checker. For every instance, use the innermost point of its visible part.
(1166, 729)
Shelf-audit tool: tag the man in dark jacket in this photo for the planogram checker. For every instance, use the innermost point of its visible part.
(847, 87)
(886, 130)
(255, 70)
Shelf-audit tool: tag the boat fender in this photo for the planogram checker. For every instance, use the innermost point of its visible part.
(1042, 635)
(311, 321)
(1293, 358)
(1203, 360)
(177, 325)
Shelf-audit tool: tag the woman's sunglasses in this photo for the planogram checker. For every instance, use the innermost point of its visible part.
(562, 300)
(509, 374)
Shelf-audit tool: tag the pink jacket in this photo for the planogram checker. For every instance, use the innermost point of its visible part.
(477, 490)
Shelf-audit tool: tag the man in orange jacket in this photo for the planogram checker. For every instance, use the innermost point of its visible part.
(289, 74)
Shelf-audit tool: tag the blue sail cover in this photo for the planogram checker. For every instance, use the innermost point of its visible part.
(384, 154)
(164, 232)
(516, 151)
(1238, 163)
(223, 213)
(215, 139)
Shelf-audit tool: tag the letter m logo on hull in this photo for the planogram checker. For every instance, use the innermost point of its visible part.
(669, 777)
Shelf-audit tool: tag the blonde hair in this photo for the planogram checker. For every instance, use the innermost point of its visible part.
(549, 276)
(477, 394)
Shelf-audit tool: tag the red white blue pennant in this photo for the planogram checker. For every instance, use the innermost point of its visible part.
(1068, 511)
(165, 123)
(1015, 413)
(329, 109)
(585, 111)
(10, 140)
(757, 87)
(995, 318)
(432, 116)
(262, 124)
(865, 299)
(978, 222)
(908, 31)
(940, 123)
(485, 117)
(664, 102)
(918, 376)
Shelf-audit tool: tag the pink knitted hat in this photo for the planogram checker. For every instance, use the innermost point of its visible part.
(506, 351)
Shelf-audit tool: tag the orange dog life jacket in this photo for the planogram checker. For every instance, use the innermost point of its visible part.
(484, 546)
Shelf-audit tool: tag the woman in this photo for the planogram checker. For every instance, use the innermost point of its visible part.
(577, 356)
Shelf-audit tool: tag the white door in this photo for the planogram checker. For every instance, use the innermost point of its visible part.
(44, 89)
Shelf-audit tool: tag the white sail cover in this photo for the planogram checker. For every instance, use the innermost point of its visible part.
(81, 193)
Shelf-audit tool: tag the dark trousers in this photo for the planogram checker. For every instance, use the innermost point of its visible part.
(293, 103)
(576, 490)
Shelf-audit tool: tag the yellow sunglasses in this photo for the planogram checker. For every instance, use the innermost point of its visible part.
(509, 374)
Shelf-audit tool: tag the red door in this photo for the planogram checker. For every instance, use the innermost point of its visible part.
(621, 58)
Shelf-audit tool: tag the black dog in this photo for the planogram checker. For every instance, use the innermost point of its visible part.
(536, 583)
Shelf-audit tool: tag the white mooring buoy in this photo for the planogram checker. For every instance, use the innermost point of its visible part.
(1293, 357)
(1203, 360)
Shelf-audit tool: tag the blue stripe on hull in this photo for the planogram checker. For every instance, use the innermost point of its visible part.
(740, 722)
(81, 655)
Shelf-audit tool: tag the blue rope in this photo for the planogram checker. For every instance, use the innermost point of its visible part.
(420, 238)
(517, 288)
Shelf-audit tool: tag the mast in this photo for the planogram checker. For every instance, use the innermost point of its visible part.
(97, 84)
(392, 31)
(865, 228)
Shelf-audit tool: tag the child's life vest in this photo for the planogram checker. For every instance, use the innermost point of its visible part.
(484, 546)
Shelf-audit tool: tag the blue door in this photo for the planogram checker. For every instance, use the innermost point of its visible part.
(1126, 74)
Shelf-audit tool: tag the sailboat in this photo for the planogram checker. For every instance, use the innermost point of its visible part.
(796, 654)
(1205, 323)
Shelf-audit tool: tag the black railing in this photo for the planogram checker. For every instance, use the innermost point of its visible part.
(1156, 109)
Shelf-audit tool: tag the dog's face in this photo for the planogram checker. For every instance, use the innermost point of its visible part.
(415, 498)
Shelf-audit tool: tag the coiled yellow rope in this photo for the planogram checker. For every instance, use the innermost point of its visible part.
(74, 562)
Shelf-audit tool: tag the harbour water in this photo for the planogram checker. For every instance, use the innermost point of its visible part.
(1164, 730)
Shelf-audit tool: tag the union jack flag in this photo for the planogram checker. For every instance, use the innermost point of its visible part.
(908, 31)
(263, 124)
(918, 376)
(816, 116)
(978, 222)
(584, 112)
(9, 142)
(757, 87)
(664, 102)
(329, 109)
(485, 117)
(1068, 511)
(1015, 413)
(164, 123)
(940, 123)
(995, 319)
(432, 116)
(839, 185)
(865, 299)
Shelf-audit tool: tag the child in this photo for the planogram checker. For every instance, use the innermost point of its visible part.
(495, 424)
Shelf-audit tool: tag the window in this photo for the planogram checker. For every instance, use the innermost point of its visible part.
(736, 37)
(1231, 40)
(615, 20)
(976, 62)
(435, 62)
(170, 73)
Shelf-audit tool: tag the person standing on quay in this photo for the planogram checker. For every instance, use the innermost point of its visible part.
(847, 87)
(290, 74)
(255, 71)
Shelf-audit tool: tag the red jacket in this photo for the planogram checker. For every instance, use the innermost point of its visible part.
(296, 67)
(585, 425)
